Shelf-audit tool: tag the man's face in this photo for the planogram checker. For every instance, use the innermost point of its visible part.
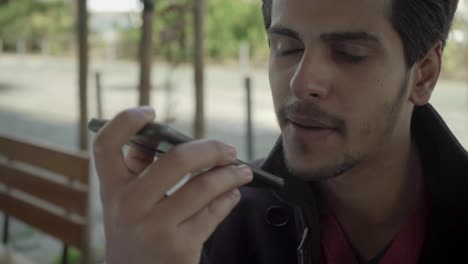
(339, 83)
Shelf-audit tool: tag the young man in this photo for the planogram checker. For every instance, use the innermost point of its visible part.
(372, 173)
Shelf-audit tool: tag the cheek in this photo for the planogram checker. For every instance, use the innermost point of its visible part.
(366, 129)
(365, 107)
(369, 125)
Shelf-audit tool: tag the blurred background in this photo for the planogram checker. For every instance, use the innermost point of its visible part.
(202, 64)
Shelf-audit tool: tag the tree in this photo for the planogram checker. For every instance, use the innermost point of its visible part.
(198, 65)
(34, 21)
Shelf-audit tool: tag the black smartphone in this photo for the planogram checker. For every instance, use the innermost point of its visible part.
(168, 137)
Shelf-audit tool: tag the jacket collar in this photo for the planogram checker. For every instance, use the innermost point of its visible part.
(445, 161)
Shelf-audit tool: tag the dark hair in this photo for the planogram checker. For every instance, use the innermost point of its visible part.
(420, 23)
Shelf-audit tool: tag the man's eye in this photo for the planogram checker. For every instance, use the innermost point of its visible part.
(285, 46)
(350, 52)
(349, 57)
(288, 52)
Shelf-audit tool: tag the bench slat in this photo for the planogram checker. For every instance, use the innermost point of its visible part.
(71, 232)
(67, 197)
(69, 164)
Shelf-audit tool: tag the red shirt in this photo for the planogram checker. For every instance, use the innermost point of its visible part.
(404, 249)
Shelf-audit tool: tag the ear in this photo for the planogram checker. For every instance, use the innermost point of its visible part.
(426, 73)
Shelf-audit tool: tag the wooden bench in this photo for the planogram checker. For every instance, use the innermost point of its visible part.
(47, 188)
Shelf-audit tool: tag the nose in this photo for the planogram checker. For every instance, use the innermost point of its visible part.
(312, 77)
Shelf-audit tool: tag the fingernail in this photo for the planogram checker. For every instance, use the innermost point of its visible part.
(231, 152)
(147, 110)
(245, 171)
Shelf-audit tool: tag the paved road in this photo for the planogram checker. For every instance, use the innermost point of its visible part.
(38, 101)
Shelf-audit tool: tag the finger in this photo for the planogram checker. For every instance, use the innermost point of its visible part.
(138, 157)
(202, 225)
(108, 144)
(199, 192)
(171, 167)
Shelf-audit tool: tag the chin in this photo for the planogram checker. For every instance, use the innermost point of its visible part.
(308, 171)
(307, 157)
(317, 167)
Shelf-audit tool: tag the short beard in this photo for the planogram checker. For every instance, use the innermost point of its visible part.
(348, 162)
(325, 173)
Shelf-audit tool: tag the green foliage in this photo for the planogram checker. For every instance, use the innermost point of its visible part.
(128, 43)
(171, 28)
(33, 21)
(227, 25)
(74, 256)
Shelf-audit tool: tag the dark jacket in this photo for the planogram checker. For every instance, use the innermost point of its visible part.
(282, 226)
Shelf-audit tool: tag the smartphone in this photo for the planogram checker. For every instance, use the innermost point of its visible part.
(167, 137)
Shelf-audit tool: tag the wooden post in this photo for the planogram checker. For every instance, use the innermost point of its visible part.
(83, 71)
(199, 123)
(244, 63)
(45, 49)
(6, 228)
(99, 95)
(146, 47)
(249, 132)
(20, 46)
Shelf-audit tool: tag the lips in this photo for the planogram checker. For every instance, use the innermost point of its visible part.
(308, 123)
(309, 131)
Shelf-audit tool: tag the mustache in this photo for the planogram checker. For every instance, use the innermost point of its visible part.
(312, 110)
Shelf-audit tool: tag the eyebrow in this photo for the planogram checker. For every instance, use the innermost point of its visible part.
(351, 35)
(329, 36)
(280, 30)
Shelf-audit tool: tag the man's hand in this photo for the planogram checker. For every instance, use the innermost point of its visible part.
(141, 224)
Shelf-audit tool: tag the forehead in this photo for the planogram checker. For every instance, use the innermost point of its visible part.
(317, 16)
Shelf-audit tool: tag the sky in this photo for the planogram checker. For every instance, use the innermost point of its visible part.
(114, 5)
